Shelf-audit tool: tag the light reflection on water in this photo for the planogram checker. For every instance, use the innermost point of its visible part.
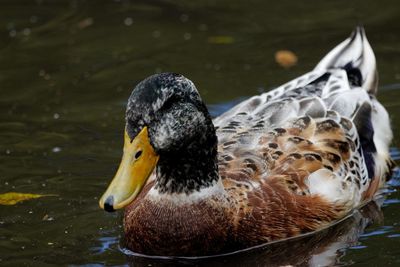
(106, 243)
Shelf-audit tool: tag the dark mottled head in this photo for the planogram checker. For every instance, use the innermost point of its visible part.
(180, 130)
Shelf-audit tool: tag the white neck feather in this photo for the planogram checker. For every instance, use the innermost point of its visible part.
(216, 190)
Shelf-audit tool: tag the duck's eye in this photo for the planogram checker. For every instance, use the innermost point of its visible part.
(138, 154)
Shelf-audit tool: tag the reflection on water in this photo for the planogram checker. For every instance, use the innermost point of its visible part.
(395, 153)
(67, 68)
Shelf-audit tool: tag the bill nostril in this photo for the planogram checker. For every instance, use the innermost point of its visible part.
(109, 204)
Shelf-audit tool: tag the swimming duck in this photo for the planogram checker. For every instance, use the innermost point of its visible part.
(284, 163)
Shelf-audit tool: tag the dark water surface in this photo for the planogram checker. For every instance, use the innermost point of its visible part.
(67, 68)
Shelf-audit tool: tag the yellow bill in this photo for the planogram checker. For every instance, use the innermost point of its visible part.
(138, 162)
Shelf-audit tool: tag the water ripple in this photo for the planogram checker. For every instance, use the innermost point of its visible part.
(395, 153)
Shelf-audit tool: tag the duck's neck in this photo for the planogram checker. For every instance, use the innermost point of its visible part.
(191, 169)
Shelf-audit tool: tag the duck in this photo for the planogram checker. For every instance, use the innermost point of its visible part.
(288, 162)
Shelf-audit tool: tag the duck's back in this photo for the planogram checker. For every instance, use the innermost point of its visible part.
(310, 150)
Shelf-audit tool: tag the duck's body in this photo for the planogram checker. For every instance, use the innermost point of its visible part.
(287, 162)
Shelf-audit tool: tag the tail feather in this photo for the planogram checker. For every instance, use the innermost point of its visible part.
(354, 55)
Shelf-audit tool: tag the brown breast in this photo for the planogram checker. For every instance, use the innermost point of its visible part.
(164, 227)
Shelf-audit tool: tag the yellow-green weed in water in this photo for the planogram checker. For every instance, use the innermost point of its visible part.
(12, 198)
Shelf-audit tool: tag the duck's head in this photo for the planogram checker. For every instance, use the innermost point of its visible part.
(168, 128)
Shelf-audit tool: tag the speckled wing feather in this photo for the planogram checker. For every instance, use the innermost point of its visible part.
(322, 139)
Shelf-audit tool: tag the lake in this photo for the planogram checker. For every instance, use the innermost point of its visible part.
(68, 68)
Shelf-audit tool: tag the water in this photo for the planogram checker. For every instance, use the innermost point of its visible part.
(67, 68)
